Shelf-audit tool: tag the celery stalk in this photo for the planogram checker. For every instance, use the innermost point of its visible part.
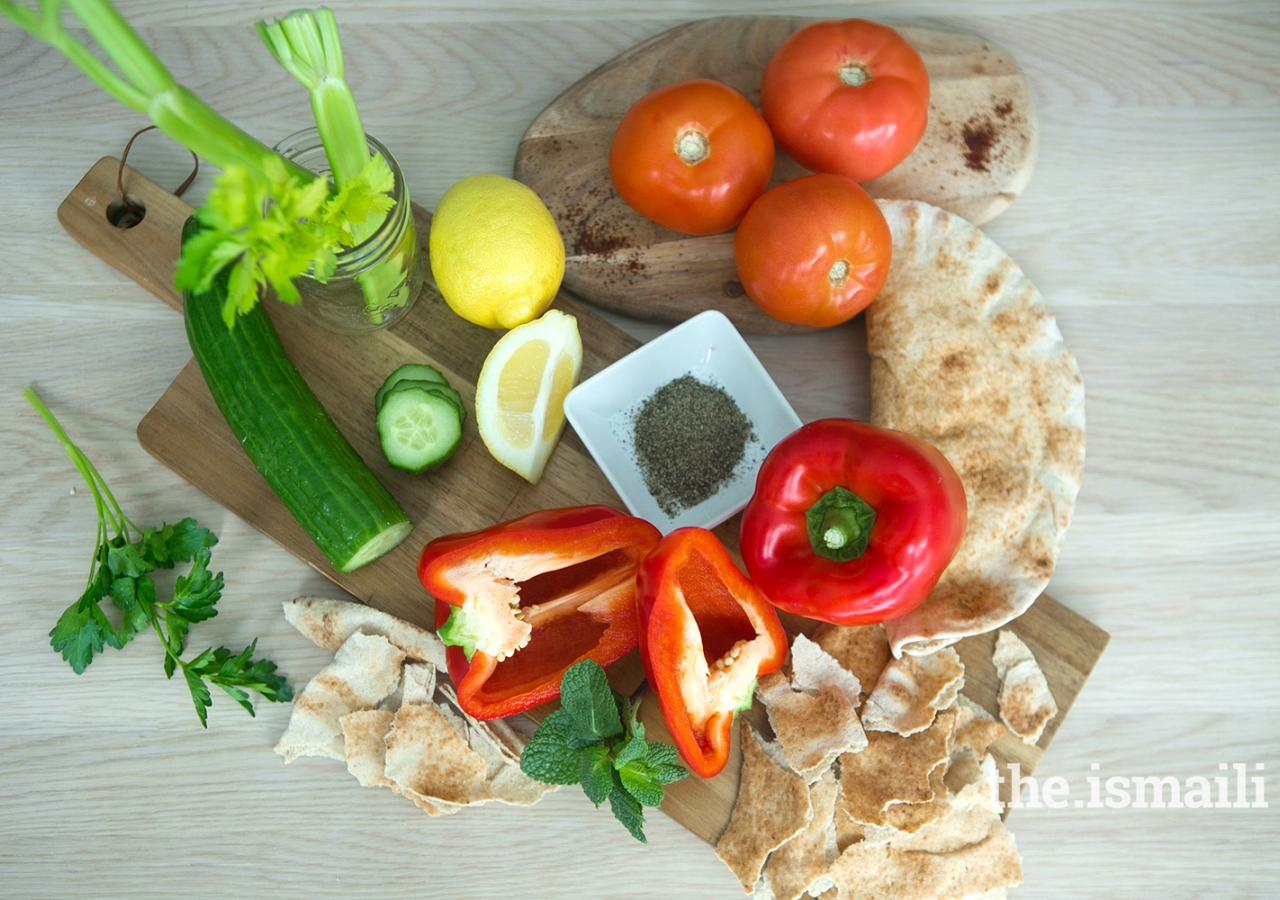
(306, 43)
(143, 84)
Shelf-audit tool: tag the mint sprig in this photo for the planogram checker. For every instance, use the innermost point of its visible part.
(596, 739)
(120, 572)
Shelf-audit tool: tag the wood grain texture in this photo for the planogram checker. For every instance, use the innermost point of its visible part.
(186, 432)
(1149, 225)
(975, 158)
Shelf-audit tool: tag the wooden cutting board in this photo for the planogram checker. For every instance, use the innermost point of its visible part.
(186, 432)
(975, 159)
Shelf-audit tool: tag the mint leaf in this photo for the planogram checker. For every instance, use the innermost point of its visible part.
(641, 784)
(663, 763)
(586, 696)
(627, 810)
(549, 757)
(595, 772)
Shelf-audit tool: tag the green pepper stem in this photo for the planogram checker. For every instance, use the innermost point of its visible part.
(839, 525)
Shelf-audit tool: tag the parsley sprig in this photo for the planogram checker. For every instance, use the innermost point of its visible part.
(122, 560)
(595, 739)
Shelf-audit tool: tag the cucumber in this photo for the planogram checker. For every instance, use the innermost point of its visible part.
(408, 371)
(288, 435)
(419, 428)
(442, 389)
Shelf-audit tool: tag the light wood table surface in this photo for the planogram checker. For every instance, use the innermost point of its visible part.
(1151, 225)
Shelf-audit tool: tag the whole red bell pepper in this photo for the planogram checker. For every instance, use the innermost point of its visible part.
(706, 634)
(852, 524)
(522, 601)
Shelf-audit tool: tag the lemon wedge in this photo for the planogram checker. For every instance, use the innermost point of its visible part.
(521, 391)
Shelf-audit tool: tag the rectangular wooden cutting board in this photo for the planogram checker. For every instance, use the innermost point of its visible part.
(186, 432)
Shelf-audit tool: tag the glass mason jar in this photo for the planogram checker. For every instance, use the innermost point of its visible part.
(375, 282)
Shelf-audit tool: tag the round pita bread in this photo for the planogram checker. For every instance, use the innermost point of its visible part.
(966, 355)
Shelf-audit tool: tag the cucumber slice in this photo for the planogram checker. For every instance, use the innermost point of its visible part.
(407, 372)
(442, 389)
(419, 428)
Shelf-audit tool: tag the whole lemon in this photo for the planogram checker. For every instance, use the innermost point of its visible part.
(496, 254)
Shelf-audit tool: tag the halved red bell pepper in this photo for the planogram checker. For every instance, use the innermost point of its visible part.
(852, 524)
(706, 634)
(522, 601)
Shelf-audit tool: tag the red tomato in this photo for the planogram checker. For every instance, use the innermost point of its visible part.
(692, 156)
(813, 251)
(850, 97)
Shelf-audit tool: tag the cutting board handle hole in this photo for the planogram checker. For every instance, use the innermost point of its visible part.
(126, 215)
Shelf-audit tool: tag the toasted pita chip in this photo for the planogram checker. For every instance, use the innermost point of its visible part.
(329, 623)
(797, 866)
(893, 769)
(419, 683)
(861, 649)
(1026, 703)
(911, 690)
(504, 781)
(509, 741)
(365, 670)
(968, 819)
(814, 670)
(966, 355)
(884, 872)
(364, 735)
(908, 818)
(772, 807)
(813, 730)
(426, 756)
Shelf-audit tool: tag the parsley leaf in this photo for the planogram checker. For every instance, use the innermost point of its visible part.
(596, 739)
(119, 573)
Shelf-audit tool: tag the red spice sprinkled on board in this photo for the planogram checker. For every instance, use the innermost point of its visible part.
(979, 138)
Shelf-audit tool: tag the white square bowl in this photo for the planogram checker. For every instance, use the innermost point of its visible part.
(602, 411)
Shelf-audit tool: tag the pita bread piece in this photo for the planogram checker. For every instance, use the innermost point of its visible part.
(861, 649)
(893, 769)
(966, 355)
(364, 672)
(427, 757)
(884, 872)
(814, 670)
(797, 866)
(911, 690)
(813, 729)
(328, 623)
(1026, 703)
(772, 807)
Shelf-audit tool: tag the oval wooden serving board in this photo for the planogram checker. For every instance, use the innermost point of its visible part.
(975, 159)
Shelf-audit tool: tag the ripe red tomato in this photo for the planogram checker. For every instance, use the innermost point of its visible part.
(692, 156)
(850, 97)
(813, 251)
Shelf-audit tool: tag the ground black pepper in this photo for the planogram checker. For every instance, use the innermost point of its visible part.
(689, 437)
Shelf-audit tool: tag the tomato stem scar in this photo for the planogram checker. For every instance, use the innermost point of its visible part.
(692, 147)
(839, 273)
(854, 73)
